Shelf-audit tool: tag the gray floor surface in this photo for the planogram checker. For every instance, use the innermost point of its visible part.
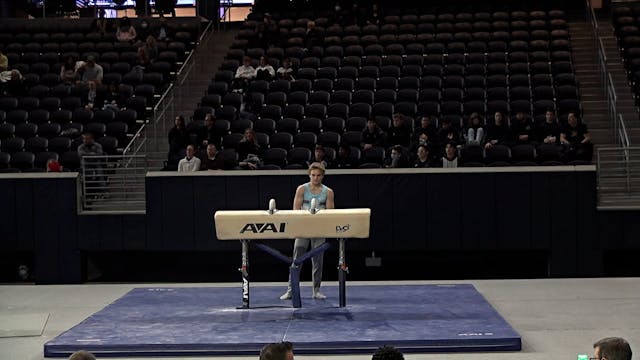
(557, 318)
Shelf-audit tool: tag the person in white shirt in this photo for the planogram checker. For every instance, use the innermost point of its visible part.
(190, 162)
(265, 71)
(244, 74)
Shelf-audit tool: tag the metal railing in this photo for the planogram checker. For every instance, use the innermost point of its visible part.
(618, 176)
(113, 183)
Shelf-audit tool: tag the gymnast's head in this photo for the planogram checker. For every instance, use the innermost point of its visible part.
(277, 351)
(316, 173)
(82, 355)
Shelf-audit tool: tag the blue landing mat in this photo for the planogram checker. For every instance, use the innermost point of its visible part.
(205, 321)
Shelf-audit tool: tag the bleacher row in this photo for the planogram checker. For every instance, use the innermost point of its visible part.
(627, 30)
(46, 120)
(445, 66)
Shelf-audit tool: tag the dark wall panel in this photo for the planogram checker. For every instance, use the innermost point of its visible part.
(541, 203)
(564, 224)
(8, 225)
(513, 200)
(210, 197)
(410, 212)
(154, 221)
(24, 218)
(178, 213)
(444, 213)
(374, 191)
(478, 217)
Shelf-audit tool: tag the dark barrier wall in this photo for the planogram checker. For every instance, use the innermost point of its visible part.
(512, 209)
(552, 211)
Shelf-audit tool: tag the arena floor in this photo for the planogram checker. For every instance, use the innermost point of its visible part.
(557, 318)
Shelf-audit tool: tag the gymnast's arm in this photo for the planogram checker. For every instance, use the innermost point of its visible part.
(299, 198)
(330, 203)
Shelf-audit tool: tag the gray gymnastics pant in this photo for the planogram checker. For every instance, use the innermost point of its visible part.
(300, 247)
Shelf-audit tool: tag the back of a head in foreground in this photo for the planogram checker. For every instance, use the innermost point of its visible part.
(82, 355)
(387, 352)
(274, 351)
(613, 348)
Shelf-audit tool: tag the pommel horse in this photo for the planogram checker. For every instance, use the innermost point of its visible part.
(290, 224)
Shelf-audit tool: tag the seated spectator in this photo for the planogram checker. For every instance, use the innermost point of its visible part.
(12, 83)
(387, 352)
(475, 131)
(399, 133)
(319, 156)
(82, 355)
(374, 15)
(424, 134)
(424, 159)
(498, 132)
(314, 36)
(113, 99)
(285, 72)
(151, 48)
(344, 160)
(162, 31)
(93, 167)
(244, 74)
(209, 134)
(248, 145)
(447, 132)
(144, 31)
(548, 132)
(126, 32)
(612, 348)
(69, 71)
(91, 71)
(214, 160)
(190, 162)
(398, 159)
(267, 32)
(450, 159)
(178, 136)
(576, 139)
(4, 62)
(265, 71)
(89, 146)
(90, 98)
(372, 135)
(522, 130)
(142, 59)
(99, 24)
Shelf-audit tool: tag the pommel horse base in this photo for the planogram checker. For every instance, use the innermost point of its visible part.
(290, 224)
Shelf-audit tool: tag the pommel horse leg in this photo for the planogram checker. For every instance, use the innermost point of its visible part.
(244, 270)
(342, 274)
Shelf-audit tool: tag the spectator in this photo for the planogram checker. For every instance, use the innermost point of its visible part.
(285, 72)
(99, 24)
(424, 134)
(113, 99)
(372, 135)
(214, 160)
(68, 71)
(91, 71)
(163, 31)
(166, 7)
(423, 160)
(387, 352)
(92, 167)
(151, 48)
(548, 132)
(475, 131)
(126, 32)
(576, 138)
(82, 355)
(448, 132)
(178, 136)
(265, 71)
(375, 15)
(497, 132)
(12, 83)
(522, 129)
(344, 160)
(89, 146)
(144, 32)
(190, 162)
(399, 133)
(248, 146)
(142, 59)
(314, 37)
(209, 134)
(398, 159)
(450, 159)
(267, 32)
(244, 74)
(277, 351)
(90, 98)
(612, 348)
(4, 62)
(319, 156)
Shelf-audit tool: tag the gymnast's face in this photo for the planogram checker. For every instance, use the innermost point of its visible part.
(315, 177)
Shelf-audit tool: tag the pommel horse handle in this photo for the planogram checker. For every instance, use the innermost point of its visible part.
(272, 206)
(313, 208)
